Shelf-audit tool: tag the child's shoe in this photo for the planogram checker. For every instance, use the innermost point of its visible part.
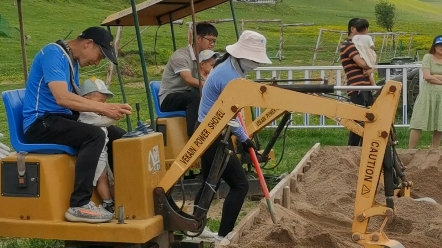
(109, 206)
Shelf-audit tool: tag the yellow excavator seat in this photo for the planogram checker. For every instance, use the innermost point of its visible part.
(43, 201)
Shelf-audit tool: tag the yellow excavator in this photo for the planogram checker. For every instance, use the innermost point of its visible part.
(36, 187)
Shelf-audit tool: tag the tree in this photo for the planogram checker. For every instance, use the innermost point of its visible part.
(385, 13)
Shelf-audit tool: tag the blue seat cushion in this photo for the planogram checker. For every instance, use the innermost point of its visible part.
(155, 89)
(13, 101)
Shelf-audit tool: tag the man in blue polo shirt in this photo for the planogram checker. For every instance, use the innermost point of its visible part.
(51, 106)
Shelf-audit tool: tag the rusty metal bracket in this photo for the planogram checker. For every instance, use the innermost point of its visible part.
(174, 219)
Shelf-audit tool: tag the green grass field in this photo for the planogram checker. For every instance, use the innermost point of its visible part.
(49, 20)
(43, 24)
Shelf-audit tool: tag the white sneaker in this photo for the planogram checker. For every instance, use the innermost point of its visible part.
(222, 240)
(206, 234)
(218, 239)
(88, 213)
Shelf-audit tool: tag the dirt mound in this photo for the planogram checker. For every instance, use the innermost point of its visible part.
(322, 210)
(423, 168)
(294, 229)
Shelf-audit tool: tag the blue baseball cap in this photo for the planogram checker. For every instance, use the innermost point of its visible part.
(438, 40)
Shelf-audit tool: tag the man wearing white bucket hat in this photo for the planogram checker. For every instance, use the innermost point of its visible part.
(242, 57)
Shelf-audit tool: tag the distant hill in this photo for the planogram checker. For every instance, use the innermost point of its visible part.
(437, 3)
(333, 11)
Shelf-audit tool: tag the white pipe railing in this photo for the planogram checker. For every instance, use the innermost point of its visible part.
(338, 75)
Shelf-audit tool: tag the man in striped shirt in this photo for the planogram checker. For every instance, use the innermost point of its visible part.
(355, 70)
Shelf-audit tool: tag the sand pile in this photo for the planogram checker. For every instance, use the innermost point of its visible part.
(423, 169)
(322, 210)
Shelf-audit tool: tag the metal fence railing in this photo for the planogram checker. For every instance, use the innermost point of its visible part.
(409, 73)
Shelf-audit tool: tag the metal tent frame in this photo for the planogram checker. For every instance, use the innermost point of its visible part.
(157, 13)
(147, 13)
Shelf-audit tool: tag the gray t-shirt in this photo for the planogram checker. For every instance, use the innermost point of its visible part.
(182, 59)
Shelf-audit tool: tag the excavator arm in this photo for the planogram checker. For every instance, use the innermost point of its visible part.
(270, 115)
(233, 100)
(263, 120)
(378, 121)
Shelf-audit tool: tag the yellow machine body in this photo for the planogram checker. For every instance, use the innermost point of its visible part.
(174, 130)
(138, 168)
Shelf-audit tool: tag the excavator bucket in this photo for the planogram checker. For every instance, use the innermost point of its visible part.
(388, 244)
(394, 244)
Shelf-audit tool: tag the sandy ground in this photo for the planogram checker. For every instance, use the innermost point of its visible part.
(321, 213)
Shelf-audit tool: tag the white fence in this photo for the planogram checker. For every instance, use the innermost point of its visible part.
(336, 76)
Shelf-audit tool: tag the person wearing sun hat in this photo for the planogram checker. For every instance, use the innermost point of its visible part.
(242, 57)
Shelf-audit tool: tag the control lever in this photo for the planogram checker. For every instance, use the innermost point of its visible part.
(141, 129)
(137, 106)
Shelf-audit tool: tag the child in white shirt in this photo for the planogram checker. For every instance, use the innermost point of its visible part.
(94, 89)
(365, 46)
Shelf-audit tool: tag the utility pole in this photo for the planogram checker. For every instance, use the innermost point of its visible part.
(22, 39)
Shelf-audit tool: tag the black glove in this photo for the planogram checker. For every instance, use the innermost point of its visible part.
(248, 144)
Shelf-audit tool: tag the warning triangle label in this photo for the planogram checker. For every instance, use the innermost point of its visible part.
(365, 189)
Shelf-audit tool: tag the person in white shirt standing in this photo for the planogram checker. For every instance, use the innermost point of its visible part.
(365, 46)
(95, 89)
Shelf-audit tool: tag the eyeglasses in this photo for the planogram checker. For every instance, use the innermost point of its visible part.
(211, 41)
